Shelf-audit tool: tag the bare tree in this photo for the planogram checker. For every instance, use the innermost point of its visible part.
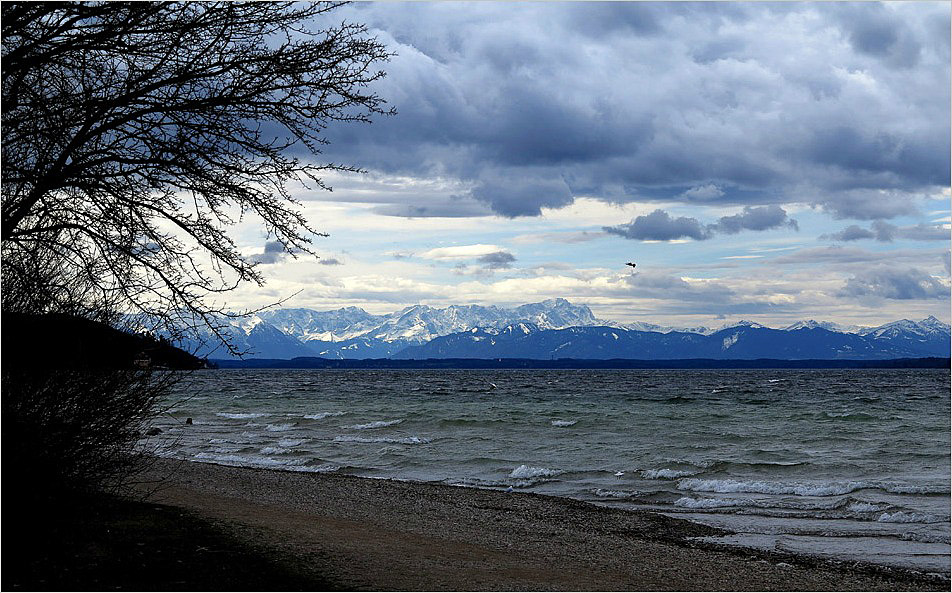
(135, 134)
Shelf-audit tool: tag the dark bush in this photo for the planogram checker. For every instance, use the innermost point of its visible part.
(74, 430)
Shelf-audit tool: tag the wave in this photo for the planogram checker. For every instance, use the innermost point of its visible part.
(764, 487)
(849, 416)
(561, 423)
(905, 517)
(842, 507)
(914, 489)
(372, 425)
(525, 476)
(603, 493)
(665, 474)
(866, 507)
(274, 450)
(322, 415)
(727, 486)
(525, 472)
(397, 441)
(279, 427)
(300, 465)
(240, 415)
(926, 538)
(709, 503)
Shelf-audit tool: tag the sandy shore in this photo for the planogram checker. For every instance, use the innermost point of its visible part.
(364, 534)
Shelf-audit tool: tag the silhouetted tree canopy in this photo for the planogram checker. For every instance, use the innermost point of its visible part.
(136, 133)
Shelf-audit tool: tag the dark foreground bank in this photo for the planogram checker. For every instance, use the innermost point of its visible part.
(216, 527)
(105, 543)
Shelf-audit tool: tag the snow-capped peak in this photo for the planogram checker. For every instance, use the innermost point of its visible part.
(743, 323)
(827, 325)
(926, 327)
(643, 326)
(932, 323)
(247, 324)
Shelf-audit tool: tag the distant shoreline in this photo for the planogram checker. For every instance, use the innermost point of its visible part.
(573, 363)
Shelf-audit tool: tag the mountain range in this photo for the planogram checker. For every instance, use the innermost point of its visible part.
(554, 329)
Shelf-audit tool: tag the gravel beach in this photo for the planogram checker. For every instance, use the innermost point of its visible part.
(367, 534)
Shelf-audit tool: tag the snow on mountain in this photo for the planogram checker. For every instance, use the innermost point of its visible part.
(827, 325)
(742, 323)
(555, 314)
(328, 326)
(352, 333)
(422, 323)
(643, 326)
(929, 336)
(930, 326)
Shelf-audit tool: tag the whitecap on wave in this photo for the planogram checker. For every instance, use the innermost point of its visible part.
(905, 517)
(865, 507)
(273, 450)
(561, 423)
(525, 476)
(372, 425)
(710, 503)
(299, 465)
(322, 415)
(240, 415)
(603, 493)
(526, 472)
(665, 474)
(396, 440)
(764, 487)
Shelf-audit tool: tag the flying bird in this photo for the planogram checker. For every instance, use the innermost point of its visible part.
(631, 264)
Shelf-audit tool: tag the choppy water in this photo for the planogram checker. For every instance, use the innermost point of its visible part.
(850, 463)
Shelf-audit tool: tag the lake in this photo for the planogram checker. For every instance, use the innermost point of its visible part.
(846, 463)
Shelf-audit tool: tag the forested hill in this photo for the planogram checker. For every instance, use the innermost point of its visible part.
(59, 341)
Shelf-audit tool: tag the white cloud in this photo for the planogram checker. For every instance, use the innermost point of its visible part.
(460, 252)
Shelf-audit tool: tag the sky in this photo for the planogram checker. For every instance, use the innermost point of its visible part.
(763, 161)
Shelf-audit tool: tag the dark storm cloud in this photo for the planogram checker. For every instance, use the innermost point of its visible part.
(884, 231)
(874, 31)
(895, 283)
(274, 252)
(534, 104)
(660, 226)
(605, 18)
(850, 233)
(522, 197)
(497, 260)
(755, 219)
